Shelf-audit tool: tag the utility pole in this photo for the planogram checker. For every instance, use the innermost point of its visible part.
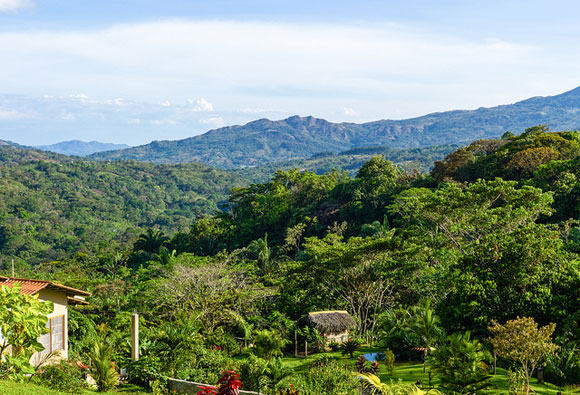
(135, 337)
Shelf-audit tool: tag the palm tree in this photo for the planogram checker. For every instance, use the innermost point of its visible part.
(373, 384)
(425, 325)
(150, 241)
(260, 250)
(460, 366)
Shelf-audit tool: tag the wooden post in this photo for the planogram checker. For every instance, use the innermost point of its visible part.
(494, 361)
(306, 348)
(13, 276)
(135, 337)
(295, 343)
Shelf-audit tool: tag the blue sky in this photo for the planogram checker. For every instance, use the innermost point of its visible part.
(135, 71)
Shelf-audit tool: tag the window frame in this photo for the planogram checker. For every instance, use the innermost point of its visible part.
(50, 333)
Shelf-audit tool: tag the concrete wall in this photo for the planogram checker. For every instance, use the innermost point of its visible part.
(339, 338)
(189, 387)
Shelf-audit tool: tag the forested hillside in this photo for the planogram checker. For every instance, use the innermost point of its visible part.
(53, 206)
(265, 141)
(411, 159)
(448, 262)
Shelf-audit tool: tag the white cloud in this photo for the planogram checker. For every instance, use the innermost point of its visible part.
(200, 105)
(133, 121)
(256, 110)
(159, 122)
(67, 116)
(306, 68)
(217, 122)
(78, 96)
(13, 5)
(116, 102)
(7, 115)
(350, 112)
(383, 71)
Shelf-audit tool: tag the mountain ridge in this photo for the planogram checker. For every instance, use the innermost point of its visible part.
(81, 148)
(264, 141)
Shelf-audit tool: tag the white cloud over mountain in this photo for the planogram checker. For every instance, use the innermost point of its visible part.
(13, 5)
(200, 105)
(378, 71)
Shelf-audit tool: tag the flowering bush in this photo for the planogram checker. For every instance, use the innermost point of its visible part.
(228, 384)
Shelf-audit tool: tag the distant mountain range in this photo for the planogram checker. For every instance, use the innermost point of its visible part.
(81, 148)
(264, 141)
(11, 143)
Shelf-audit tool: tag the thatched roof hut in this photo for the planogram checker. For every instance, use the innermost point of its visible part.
(328, 322)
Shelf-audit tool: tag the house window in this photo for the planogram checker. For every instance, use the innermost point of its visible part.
(53, 341)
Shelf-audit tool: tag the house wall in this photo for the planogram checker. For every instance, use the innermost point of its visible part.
(60, 302)
(339, 338)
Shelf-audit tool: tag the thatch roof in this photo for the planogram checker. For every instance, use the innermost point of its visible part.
(328, 322)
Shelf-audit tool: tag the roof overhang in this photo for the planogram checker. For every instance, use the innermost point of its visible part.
(31, 286)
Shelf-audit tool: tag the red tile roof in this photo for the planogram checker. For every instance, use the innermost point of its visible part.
(28, 286)
(32, 287)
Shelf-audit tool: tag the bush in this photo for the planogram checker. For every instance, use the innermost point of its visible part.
(333, 378)
(64, 377)
(252, 373)
(102, 368)
(349, 347)
(564, 368)
(334, 346)
(268, 344)
(388, 359)
(259, 375)
(459, 364)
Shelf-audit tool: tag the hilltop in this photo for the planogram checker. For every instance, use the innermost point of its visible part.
(81, 148)
(265, 141)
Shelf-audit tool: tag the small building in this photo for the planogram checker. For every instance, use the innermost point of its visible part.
(332, 324)
(56, 340)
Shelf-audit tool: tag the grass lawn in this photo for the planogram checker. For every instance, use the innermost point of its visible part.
(12, 388)
(411, 372)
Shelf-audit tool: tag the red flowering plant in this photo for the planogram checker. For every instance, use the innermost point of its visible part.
(207, 390)
(229, 383)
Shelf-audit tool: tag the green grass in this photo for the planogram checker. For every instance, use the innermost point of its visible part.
(411, 372)
(13, 388)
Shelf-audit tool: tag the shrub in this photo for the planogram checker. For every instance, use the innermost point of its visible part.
(229, 383)
(333, 378)
(362, 366)
(564, 368)
(349, 347)
(321, 360)
(145, 371)
(102, 368)
(388, 359)
(268, 344)
(258, 374)
(460, 364)
(372, 384)
(64, 377)
(252, 373)
(334, 346)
